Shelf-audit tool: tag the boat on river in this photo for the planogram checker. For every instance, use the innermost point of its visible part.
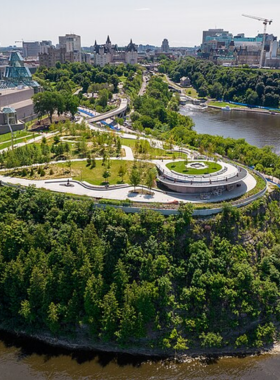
(226, 108)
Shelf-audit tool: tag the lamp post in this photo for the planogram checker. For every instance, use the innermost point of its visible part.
(11, 130)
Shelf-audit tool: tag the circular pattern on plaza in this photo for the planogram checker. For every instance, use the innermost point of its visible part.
(211, 178)
(194, 167)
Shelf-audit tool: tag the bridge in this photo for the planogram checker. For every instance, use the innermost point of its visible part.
(107, 115)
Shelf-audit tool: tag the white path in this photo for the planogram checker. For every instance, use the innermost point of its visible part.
(124, 193)
(128, 153)
(38, 138)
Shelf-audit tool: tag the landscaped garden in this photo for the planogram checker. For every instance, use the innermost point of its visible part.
(207, 167)
(92, 171)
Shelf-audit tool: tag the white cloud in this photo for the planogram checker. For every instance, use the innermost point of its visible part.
(143, 9)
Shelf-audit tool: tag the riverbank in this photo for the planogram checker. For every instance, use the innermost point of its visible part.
(83, 343)
(244, 109)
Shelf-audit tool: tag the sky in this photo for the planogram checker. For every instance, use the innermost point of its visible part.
(145, 21)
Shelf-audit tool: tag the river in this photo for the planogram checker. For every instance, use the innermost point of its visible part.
(256, 128)
(26, 359)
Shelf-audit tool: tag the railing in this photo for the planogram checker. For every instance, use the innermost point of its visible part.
(87, 186)
(203, 179)
(197, 212)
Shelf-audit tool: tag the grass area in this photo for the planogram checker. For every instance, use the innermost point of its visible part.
(152, 153)
(81, 171)
(180, 167)
(17, 134)
(224, 104)
(18, 141)
(95, 176)
(191, 92)
(122, 79)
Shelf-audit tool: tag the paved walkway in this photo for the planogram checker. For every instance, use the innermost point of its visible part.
(38, 138)
(107, 115)
(144, 86)
(125, 193)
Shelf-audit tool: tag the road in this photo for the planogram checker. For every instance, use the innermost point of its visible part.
(144, 86)
(107, 115)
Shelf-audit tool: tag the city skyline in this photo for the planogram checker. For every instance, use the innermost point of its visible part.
(146, 22)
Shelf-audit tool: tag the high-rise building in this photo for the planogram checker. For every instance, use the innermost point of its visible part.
(53, 55)
(72, 44)
(44, 46)
(165, 46)
(212, 33)
(30, 49)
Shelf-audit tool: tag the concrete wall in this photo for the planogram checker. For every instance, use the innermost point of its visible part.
(5, 129)
(197, 212)
(25, 111)
(7, 98)
(195, 189)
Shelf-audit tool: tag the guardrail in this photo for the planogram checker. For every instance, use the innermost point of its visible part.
(202, 179)
(89, 187)
(197, 212)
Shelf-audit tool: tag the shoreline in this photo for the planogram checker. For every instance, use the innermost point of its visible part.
(83, 344)
(240, 109)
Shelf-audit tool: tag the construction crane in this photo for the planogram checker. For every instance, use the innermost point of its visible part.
(265, 22)
(21, 41)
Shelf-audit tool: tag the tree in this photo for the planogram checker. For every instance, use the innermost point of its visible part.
(47, 103)
(135, 177)
(211, 340)
(103, 98)
(71, 103)
(69, 165)
(93, 162)
(122, 171)
(119, 146)
(106, 173)
(151, 177)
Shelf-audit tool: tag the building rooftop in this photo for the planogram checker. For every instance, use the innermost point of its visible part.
(16, 74)
(8, 110)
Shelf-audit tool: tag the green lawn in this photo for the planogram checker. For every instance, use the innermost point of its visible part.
(122, 79)
(191, 92)
(180, 167)
(80, 171)
(17, 140)
(17, 134)
(224, 104)
(153, 152)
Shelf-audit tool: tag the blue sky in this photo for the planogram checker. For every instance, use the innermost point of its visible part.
(145, 21)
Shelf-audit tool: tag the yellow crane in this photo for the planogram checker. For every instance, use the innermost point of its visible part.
(265, 21)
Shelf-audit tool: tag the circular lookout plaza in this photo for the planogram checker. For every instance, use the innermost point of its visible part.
(226, 178)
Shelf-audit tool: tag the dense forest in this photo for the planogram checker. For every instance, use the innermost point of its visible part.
(139, 279)
(157, 109)
(69, 85)
(243, 85)
(70, 75)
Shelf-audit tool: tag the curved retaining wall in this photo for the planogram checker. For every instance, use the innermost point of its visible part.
(197, 212)
(90, 187)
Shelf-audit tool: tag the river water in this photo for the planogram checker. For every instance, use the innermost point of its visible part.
(25, 359)
(256, 128)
